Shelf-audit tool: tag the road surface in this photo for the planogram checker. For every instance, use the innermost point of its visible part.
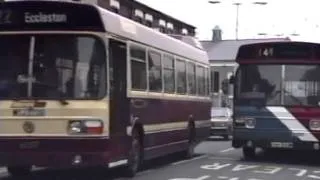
(215, 160)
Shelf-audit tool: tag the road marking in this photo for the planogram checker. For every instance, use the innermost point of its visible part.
(222, 177)
(145, 172)
(189, 160)
(223, 158)
(227, 150)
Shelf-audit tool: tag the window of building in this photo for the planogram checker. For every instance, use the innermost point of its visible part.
(139, 20)
(148, 23)
(192, 87)
(201, 82)
(115, 10)
(115, 4)
(207, 71)
(168, 74)
(184, 31)
(215, 82)
(138, 67)
(162, 29)
(148, 20)
(181, 76)
(155, 71)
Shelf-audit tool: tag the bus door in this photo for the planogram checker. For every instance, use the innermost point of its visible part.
(119, 103)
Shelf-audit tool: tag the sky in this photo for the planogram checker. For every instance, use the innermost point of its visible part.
(277, 17)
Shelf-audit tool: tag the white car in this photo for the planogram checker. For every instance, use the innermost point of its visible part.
(221, 123)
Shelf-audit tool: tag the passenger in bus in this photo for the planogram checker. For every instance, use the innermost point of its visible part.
(47, 78)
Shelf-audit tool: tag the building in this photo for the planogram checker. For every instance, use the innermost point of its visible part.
(145, 15)
(222, 54)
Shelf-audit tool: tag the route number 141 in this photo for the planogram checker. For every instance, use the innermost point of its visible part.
(266, 52)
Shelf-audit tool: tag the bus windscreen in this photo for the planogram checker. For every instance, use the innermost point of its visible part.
(278, 51)
(46, 15)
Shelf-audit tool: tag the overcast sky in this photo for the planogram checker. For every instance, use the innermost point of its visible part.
(277, 17)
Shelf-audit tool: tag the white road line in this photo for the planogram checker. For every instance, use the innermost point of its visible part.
(223, 158)
(227, 150)
(189, 160)
(145, 172)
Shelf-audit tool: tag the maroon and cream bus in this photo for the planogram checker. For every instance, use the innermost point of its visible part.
(81, 86)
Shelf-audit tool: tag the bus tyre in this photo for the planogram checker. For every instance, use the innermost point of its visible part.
(19, 171)
(249, 152)
(135, 155)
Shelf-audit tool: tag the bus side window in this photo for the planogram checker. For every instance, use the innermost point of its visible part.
(138, 68)
(201, 80)
(169, 74)
(192, 88)
(155, 71)
(181, 76)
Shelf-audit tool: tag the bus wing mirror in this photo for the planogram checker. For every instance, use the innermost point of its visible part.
(231, 79)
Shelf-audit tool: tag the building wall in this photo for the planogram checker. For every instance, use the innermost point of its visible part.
(148, 16)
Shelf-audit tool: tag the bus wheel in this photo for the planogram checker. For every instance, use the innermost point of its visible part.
(19, 171)
(191, 142)
(249, 152)
(135, 154)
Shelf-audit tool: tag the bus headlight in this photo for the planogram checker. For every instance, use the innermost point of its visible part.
(250, 123)
(314, 125)
(85, 127)
(75, 127)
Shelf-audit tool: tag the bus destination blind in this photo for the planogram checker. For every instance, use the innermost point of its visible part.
(19, 16)
(270, 51)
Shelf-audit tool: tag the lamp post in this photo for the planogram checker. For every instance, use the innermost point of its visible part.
(237, 12)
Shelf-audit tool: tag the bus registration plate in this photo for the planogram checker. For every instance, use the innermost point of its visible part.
(286, 145)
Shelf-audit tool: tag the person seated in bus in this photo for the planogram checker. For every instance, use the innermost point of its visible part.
(46, 78)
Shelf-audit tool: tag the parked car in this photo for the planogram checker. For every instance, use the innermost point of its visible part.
(221, 123)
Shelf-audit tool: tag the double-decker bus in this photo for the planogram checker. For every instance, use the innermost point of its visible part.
(81, 86)
(277, 97)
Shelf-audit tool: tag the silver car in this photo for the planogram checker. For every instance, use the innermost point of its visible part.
(221, 123)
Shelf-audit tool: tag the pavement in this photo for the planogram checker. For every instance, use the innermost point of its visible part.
(215, 160)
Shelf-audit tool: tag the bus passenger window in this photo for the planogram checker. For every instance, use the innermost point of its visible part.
(192, 88)
(138, 68)
(201, 80)
(181, 76)
(155, 74)
(168, 74)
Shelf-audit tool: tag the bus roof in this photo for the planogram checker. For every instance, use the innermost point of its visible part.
(71, 16)
(277, 51)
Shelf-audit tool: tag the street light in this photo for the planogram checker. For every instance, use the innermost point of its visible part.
(214, 2)
(237, 14)
(295, 34)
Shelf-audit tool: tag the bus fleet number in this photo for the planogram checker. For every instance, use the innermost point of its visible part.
(5, 16)
(266, 52)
